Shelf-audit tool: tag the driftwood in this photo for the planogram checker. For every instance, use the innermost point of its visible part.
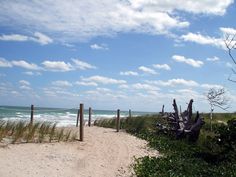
(182, 124)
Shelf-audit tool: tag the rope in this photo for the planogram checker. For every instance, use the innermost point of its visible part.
(37, 110)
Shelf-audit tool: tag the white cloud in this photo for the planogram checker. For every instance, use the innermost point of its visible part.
(209, 86)
(103, 89)
(14, 37)
(87, 19)
(204, 40)
(61, 83)
(86, 83)
(103, 80)
(26, 65)
(147, 70)
(30, 73)
(229, 65)
(82, 65)
(214, 7)
(128, 73)
(140, 86)
(175, 82)
(99, 47)
(37, 37)
(123, 86)
(189, 61)
(24, 82)
(79, 20)
(25, 87)
(163, 66)
(213, 59)
(230, 31)
(41, 38)
(4, 63)
(60, 66)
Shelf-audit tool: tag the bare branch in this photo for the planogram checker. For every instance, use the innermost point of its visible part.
(217, 97)
(230, 43)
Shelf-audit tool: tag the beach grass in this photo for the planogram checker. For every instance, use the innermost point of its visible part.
(38, 132)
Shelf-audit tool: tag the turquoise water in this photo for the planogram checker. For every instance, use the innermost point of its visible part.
(63, 117)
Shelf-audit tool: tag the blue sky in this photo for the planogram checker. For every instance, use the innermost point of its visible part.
(111, 54)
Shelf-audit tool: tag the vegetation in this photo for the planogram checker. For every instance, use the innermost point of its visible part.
(19, 132)
(212, 155)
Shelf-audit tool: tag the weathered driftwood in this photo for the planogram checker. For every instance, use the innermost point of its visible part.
(182, 124)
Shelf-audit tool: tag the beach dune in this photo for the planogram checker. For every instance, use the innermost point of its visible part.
(104, 153)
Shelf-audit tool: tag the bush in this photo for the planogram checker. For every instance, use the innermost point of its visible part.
(213, 154)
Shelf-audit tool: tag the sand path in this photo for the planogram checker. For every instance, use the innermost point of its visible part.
(104, 153)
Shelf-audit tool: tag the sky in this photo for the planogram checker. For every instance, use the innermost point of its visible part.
(115, 54)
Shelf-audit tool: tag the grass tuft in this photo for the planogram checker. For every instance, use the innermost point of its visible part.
(21, 131)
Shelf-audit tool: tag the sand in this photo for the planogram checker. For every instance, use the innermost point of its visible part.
(104, 153)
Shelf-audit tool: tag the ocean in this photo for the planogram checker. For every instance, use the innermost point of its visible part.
(63, 117)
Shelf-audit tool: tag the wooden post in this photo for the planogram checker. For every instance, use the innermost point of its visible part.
(130, 113)
(77, 120)
(81, 122)
(90, 114)
(32, 114)
(118, 121)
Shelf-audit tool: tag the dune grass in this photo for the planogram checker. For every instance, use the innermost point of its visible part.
(39, 132)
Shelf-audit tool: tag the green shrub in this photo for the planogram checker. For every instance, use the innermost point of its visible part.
(212, 155)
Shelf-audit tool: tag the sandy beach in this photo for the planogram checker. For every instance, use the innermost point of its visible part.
(104, 153)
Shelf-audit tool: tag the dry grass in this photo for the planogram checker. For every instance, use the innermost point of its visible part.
(25, 132)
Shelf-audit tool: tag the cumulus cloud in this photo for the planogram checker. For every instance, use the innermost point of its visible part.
(30, 73)
(99, 47)
(189, 61)
(41, 38)
(24, 85)
(14, 37)
(103, 80)
(26, 65)
(105, 18)
(147, 70)
(128, 73)
(140, 86)
(61, 83)
(5, 63)
(209, 86)
(24, 82)
(37, 37)
(208, 40)
(86, 83)
(213, 59)
(201, 39)
(57, 66)
(48, 65)
(230, 31)
(214, 7)
(175, 82)
(163, 66)
(82, 65)
(61, 66)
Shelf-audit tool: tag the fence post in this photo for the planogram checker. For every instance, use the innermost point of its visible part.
(118, 121)
(77, 120)
(130, 115)
(81, 122)
(90, 114)
(32, 114)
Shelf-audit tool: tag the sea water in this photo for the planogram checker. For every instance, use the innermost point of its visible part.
(63, 117)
